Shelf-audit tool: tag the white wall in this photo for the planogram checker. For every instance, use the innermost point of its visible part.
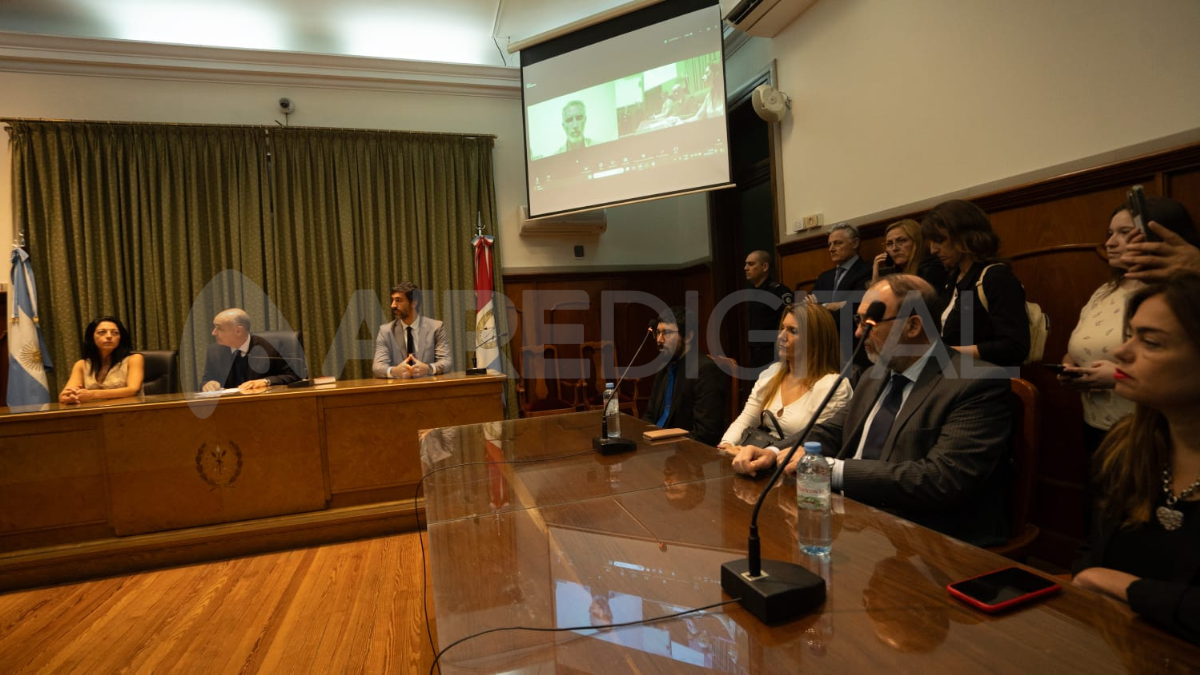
(667, 233)
(900, 104)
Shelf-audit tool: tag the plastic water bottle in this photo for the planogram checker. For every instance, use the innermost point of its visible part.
(612, 411)
(812, 498)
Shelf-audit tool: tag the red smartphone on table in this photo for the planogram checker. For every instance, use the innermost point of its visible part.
(1002, 589)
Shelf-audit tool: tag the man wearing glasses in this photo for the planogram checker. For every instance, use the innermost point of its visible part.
(574, 116)
(690, 390)
(920, 437)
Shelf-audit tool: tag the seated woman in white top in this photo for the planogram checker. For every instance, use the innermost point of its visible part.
(109, 368)
(793, 387)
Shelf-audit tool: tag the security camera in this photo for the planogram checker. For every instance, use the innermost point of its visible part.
(287, 106)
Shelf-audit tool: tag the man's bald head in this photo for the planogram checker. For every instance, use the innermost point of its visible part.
(231, 327)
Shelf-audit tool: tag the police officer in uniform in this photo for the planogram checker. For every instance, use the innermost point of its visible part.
(762, 316)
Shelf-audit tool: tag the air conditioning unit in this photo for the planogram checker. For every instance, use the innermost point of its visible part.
(763, 18)
(572, 224)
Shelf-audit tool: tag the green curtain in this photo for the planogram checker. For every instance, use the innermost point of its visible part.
(306, 229)
(363, 210)
(134, 220)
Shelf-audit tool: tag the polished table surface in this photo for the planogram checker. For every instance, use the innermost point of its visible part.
(529, 527)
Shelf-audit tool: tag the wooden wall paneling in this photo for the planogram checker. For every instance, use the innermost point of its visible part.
(565, 321)
(1184, 185)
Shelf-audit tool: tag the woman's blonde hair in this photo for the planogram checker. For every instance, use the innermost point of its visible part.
(822, 350)
(913, 229)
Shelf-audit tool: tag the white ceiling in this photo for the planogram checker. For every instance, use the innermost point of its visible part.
(473, 32)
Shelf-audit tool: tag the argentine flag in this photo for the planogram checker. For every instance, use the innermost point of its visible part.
(28, 359)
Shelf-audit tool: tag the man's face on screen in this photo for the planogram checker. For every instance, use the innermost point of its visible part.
(574, 119)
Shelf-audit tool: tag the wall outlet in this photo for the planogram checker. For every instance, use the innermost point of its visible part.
(815, 220)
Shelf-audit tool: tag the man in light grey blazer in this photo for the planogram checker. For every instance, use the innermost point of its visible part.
(926, 434)
(410, 345)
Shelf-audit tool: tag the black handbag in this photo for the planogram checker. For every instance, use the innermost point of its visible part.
(762, 435)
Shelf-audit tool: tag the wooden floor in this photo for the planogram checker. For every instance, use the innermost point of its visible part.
(352, 607)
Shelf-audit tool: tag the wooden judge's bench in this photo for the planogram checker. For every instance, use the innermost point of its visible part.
(125, 484)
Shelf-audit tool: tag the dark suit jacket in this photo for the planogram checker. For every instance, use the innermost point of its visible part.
(856, 279)
(697, 404)
(263, 362)
(850, 290)
(944, 464)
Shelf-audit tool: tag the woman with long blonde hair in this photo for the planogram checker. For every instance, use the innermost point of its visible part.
(792, 387)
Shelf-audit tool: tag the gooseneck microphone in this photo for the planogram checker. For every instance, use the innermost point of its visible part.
(773, 590)
(611, 446)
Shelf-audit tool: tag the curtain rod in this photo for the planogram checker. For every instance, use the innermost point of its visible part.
(266, 127)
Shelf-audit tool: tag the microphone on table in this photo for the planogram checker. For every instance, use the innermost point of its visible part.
(776, 591)
(611, 446)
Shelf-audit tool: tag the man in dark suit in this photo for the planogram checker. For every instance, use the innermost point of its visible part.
(921, 437)
(850, 274)
(239, 359)
(410, 345)
(690, 391)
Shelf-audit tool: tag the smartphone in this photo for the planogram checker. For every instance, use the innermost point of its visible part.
(1002, 589)
(888, 266)
(1059, 369)
(1135, 201)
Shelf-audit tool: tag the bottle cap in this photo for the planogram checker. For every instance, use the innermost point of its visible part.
(812, 448)
(608, 385)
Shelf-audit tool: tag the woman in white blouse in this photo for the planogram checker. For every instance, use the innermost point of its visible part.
(793, 387)
(1089, 359)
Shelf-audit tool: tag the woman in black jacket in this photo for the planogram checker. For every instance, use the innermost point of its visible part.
(993, 327)
(1147, 550)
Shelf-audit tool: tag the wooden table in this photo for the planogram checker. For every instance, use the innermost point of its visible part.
(574, 538)
(149, 464)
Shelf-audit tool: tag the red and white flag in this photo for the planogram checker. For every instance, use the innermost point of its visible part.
(487, 351)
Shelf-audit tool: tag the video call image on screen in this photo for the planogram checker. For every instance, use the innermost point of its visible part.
(636, 115)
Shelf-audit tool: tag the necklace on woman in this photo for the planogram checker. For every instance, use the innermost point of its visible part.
(1171, 518)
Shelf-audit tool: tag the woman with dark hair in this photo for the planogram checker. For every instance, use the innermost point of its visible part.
(1147, 550)
(906, 246)
(109, 368)
(995, 327)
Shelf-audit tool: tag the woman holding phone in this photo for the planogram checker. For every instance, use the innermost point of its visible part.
(1147, 551)
(905, 252)
(1089, 365)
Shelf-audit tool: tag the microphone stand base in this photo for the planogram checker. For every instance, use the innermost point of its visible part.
(476, 371)
(612, 446)
(783, 592)
(300, 384)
